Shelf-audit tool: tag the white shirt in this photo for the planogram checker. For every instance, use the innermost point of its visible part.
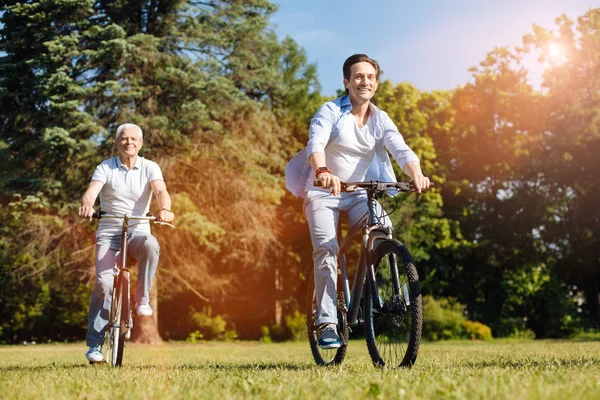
(350, 154)
(324, 127)
(125, 191)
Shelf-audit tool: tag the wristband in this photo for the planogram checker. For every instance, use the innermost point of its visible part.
(165, 209)
(321, 170)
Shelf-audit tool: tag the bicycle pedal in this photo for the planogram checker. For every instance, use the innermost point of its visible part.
(97, 362)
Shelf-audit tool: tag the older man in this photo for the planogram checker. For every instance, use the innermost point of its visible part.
(125, 184)
(348, 138)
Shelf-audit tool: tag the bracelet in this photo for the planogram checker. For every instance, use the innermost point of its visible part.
(165, 209)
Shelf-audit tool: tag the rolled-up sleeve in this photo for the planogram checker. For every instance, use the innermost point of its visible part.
(320, 129)
(395, 144)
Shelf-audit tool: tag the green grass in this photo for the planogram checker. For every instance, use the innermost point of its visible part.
(499, 369)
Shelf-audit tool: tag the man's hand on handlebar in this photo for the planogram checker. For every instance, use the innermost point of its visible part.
(86, 212)
(165, 216)
(330, 181)
(421, 183)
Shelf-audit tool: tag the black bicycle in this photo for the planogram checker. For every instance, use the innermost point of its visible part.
(120, 320)
(392, 310)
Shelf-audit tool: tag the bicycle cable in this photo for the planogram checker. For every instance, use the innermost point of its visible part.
(381, 218)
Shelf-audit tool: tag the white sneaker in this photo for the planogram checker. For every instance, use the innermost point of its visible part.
(144, 310)
(94, 354)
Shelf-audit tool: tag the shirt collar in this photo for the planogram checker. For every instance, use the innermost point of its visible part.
(345, 102)
(346, 106)
(137, 164)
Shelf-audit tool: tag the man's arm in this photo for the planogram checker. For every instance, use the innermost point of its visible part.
(413, 169)
(404, 156)
(318, 137)
(317, 160)
(159, 188)
(89, 199)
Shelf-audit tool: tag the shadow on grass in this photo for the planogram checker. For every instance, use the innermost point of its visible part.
(504, 362)
(43, 368)
(185, 367)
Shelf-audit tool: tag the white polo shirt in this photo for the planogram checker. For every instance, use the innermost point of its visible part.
(124, 192)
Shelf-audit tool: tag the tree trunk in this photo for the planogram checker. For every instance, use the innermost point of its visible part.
(278, 305)
(145, 329)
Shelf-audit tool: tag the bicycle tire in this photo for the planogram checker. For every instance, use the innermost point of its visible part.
(325, 357)
(125, 316)
(402, 311)
(114, 338)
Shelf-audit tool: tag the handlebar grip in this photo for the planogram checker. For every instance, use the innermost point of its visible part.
(412, 185)
(98, 214)
(317, 183)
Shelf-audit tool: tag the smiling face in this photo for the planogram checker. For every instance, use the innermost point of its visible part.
(129, 143)
(362, 83)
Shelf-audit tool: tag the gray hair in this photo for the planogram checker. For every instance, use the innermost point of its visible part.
(121, 128)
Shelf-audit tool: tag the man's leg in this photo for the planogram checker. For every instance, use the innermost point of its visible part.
(101, 295)
(322, 215)
(146, 250)
(356, 206)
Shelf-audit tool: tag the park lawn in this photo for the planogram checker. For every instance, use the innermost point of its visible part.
(500, 369)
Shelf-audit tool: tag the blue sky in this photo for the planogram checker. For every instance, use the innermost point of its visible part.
(430, 43)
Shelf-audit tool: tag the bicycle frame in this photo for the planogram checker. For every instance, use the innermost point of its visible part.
(372, 231)
(124, 268)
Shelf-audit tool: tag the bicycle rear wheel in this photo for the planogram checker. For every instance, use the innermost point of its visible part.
(393, 331)
(325, 356)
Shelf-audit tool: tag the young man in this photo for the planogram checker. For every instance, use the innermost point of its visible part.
(347, 142)
(125, 184)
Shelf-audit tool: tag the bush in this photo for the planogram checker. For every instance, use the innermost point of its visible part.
(273, 333)
(208, 327)
(296, 324)
(443, 318)
(294, 329)
(513, 327)
(478, 331)
(265, 336)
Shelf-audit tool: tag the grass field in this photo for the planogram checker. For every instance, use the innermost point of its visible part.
(492, 370)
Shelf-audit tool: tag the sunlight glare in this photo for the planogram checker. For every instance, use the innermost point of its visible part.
(555, 51)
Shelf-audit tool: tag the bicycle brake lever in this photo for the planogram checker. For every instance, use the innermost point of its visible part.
(164, 223)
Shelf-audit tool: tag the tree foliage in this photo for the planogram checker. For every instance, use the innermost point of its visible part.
(510, 230)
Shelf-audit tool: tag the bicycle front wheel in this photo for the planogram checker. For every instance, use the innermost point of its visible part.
(320, 355)
(116, 331)
(394, 315)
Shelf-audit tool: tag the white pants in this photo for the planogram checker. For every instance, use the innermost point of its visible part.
(142, 247)
(322, 211)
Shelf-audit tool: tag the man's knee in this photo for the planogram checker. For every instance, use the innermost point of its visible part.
(148, 245)
(104, 282)
(326, 252)
(151, 245)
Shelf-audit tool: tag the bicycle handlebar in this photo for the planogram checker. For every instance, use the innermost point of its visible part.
(375, 186)
(104, 214)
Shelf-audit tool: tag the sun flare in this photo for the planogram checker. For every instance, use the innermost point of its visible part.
(555, 51)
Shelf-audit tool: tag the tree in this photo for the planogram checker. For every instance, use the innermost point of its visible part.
(194, 76)
(568, 152)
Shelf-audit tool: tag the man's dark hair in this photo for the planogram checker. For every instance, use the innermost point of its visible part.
(356, 58)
